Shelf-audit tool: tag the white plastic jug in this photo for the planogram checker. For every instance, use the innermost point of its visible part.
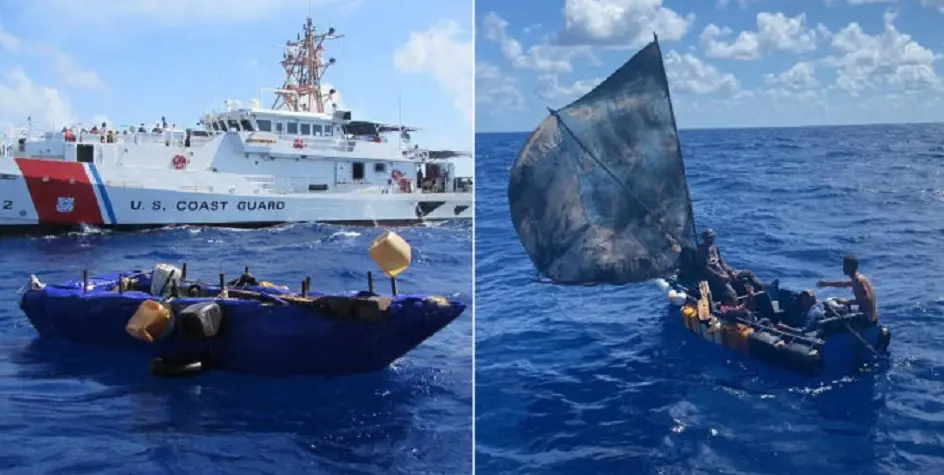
(162, 273)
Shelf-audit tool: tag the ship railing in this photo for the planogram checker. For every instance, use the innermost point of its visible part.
(335, 143)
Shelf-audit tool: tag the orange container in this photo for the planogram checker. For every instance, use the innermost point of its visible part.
(150, 322)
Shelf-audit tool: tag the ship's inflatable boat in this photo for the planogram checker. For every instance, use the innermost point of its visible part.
(842, 342)
(189, 326)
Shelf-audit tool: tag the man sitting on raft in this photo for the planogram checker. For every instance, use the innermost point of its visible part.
(861, 288)
(812, 312)
(722, 278)
(731, 310)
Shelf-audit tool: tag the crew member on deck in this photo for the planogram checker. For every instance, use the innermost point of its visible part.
(723, 279)
(861, 287)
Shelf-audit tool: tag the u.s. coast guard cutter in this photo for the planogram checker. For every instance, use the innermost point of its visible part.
(303, 159)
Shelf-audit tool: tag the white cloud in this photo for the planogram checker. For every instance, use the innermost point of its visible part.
(722, 4)
(775, 33)
(69, 72)
(21, 98)
(688, 74)
(889, 58)
(800, 76)
(549, 88)
(620, 23)
(8, 41)
(439, 52)
(939, 4)
(495, 90)
(541, 57)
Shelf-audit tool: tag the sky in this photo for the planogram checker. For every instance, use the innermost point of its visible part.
(730, 63)
(132, 61)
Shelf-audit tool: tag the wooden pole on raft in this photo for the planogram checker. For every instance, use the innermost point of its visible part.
(222, 282)
(183, 272)
(173, 289)
(393, 286)
(370, 282)
(85, 281)
(121, 284)
(307, 286)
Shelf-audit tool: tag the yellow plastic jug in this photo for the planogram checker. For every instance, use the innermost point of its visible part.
(150, 322)
(391, 253)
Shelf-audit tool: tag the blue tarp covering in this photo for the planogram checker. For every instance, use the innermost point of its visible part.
(598, 193)
(255, 337)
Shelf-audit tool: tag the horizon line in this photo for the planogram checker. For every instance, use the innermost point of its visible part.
(755, 127)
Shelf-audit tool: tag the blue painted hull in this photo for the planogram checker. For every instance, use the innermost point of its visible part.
(842, 355)
(256, 337)
(838, 355)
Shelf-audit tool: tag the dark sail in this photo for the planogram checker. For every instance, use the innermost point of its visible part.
(598, 193)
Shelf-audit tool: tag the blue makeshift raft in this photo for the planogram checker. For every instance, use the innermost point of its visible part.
(842, 343)
(244, 326)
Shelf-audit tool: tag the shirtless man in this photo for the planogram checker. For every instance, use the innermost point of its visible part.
(861, 287)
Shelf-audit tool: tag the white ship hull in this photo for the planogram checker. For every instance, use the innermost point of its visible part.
(39, 193)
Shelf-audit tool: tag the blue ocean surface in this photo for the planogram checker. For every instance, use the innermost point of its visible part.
(596, 380)
(70, 409)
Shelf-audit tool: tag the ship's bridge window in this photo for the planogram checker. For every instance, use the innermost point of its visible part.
(316, 130)
(216, 127)
(328, 130)
(223, 126)
(293, 128)
(233, 125)
(380, 168)
(306, 129)
(199, 133)
(264, 125)
(246, 125)
(278, 128)
(357, 171)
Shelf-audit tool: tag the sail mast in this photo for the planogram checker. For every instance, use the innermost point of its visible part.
(678, 141)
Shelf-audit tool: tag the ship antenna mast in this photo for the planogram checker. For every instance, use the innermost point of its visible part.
(304, 64)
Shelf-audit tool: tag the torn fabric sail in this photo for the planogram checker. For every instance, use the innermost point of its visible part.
(598, 193)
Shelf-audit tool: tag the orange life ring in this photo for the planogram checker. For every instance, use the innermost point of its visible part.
(180, 162)
(299, 143)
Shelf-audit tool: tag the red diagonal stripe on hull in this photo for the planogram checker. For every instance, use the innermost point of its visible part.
(48, 181)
